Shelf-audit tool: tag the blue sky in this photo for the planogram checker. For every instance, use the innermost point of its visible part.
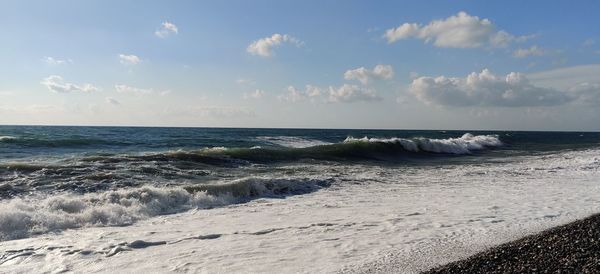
(332, 64)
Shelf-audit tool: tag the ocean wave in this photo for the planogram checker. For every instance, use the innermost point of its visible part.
(23, 167)
(292, 141)
(350, 149)
(259, 187)
(7, 138)
(466, 144)
(24, 217)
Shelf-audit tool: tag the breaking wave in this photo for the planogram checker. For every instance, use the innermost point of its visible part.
(466, 144)
(350, 149)
(23, 217)
(6, 138)
(292, 141)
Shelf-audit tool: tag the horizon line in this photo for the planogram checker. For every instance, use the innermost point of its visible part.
(296, 128)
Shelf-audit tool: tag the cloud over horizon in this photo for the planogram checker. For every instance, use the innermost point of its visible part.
(457, 31)
(352, 93)
(256, 94)
(486, 89)
(294, 95)
(132, 90)
(587, 93)
(345, 93)
(387, 65)
(57, 84)
(363, 75)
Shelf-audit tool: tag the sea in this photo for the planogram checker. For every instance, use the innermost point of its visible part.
(87, 199)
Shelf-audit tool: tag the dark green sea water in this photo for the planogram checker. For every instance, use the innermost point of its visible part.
(89, 159)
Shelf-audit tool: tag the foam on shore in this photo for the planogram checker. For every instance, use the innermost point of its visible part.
(23, 217)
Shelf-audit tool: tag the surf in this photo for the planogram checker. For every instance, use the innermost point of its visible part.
(350, 149)
(34, 215)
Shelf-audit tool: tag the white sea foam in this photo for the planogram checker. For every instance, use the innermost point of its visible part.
(22, 217)
(6, 138)
(215, 149)
(292, 141)
(400, 219)
(464, 145)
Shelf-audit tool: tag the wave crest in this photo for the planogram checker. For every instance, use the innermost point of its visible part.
(292, 141)
(351, 148)
(466, 144)
(7, 138)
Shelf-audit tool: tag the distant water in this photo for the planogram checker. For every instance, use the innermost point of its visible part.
(53, 178)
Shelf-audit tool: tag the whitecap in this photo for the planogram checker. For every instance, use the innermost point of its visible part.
(292, 141)
(23, 217)
(465, 144)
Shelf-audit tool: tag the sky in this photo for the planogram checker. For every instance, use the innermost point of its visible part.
(507, 65)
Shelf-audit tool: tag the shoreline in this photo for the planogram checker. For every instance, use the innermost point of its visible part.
(573, 247)
(174, 242)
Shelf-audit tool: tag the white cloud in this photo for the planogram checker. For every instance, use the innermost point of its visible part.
(383, 71)
(566, 77)
(458, 31)
(112, 101)
(140, 91)
(587, 93)
(361, 74)
(312, 91)
(132, 90)
(166, 29)
(531, 51)
(264, 47)
(343, 94)
(54, 61)
(257, 94)
(486, 89)
(57, 84)
(294, 95)
(404, 31)
(129, 59)
(364, 75)
(351, 93)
